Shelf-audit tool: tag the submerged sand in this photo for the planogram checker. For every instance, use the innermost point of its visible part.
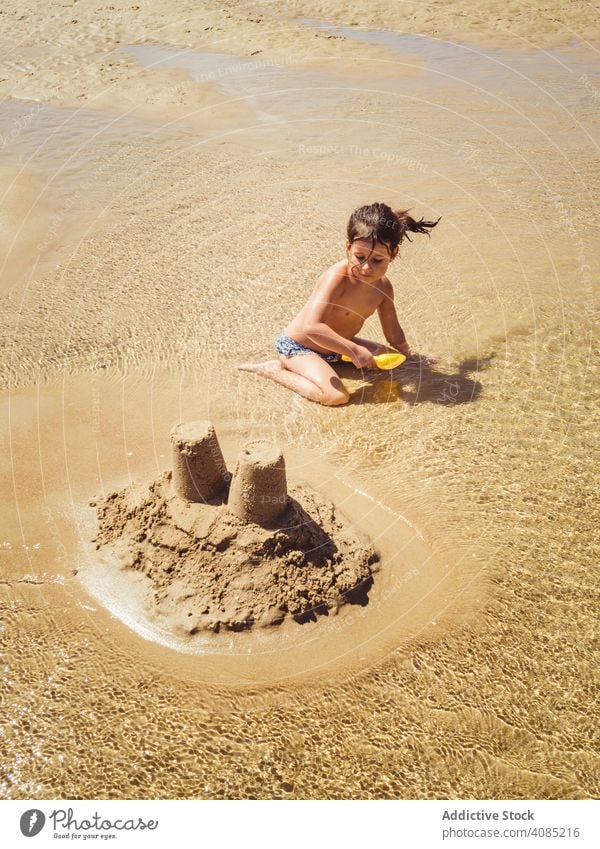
(208, 570)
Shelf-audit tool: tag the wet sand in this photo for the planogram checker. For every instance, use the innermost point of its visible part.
(192, 208)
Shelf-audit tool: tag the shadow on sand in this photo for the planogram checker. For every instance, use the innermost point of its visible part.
(357, 595)
(419, 382)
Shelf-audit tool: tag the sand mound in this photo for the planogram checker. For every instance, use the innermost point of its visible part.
(209, 570)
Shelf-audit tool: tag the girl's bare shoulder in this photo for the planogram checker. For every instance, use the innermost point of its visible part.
(335, 275)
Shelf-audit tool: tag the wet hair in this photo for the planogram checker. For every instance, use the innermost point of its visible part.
(381, 223)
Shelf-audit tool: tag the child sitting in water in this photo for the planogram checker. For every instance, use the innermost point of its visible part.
(343, 298)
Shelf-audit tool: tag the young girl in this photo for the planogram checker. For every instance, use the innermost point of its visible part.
(343, 298)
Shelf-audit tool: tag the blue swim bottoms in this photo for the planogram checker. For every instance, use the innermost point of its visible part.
(290, 348)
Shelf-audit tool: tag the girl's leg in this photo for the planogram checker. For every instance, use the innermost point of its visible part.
(374, 347)
(306, 374)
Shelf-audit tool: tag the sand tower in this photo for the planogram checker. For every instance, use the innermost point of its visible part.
(199, 470)
(258, 490)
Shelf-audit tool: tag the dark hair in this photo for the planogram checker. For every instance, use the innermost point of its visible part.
(380, 223)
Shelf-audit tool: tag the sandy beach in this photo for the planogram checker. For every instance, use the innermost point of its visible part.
(174, 180)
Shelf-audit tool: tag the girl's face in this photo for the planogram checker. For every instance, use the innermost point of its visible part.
(368, 263)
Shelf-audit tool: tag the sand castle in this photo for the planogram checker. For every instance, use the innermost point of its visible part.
(222, 551)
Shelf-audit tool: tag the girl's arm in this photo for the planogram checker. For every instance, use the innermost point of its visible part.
(390, 324)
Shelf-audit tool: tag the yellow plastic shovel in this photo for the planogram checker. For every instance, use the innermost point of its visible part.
(384, 361)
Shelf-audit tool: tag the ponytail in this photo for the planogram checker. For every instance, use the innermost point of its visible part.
(408, 223)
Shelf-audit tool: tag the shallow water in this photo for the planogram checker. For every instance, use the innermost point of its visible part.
(525, 72)
(55, 164)
(422, 576)
(472, 686)
(274, 92)
(237, 77)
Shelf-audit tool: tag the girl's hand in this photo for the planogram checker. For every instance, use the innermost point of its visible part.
(362, 357)
(404, 348)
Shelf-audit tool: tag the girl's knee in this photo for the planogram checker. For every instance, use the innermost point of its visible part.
(335, 399)
(334, 393)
